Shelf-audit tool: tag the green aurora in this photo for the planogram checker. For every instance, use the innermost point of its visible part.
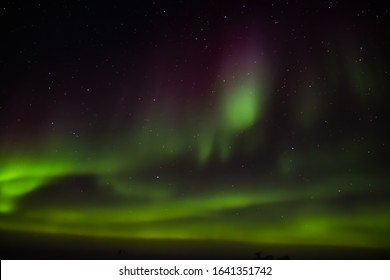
(277, 211)
(257, 135)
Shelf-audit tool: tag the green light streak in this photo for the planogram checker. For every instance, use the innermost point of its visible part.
(241, 106)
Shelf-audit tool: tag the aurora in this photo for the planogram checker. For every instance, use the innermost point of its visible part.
(216, 128)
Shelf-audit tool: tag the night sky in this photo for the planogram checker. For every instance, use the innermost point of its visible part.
(251, 122)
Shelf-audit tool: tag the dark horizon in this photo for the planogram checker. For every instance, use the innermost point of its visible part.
(67, 247)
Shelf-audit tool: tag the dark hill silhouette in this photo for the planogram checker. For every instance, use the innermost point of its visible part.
(23, 245)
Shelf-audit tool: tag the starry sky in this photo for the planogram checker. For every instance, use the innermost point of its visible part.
(252, 122)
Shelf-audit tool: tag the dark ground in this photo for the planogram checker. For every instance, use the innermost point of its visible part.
(16, 245)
